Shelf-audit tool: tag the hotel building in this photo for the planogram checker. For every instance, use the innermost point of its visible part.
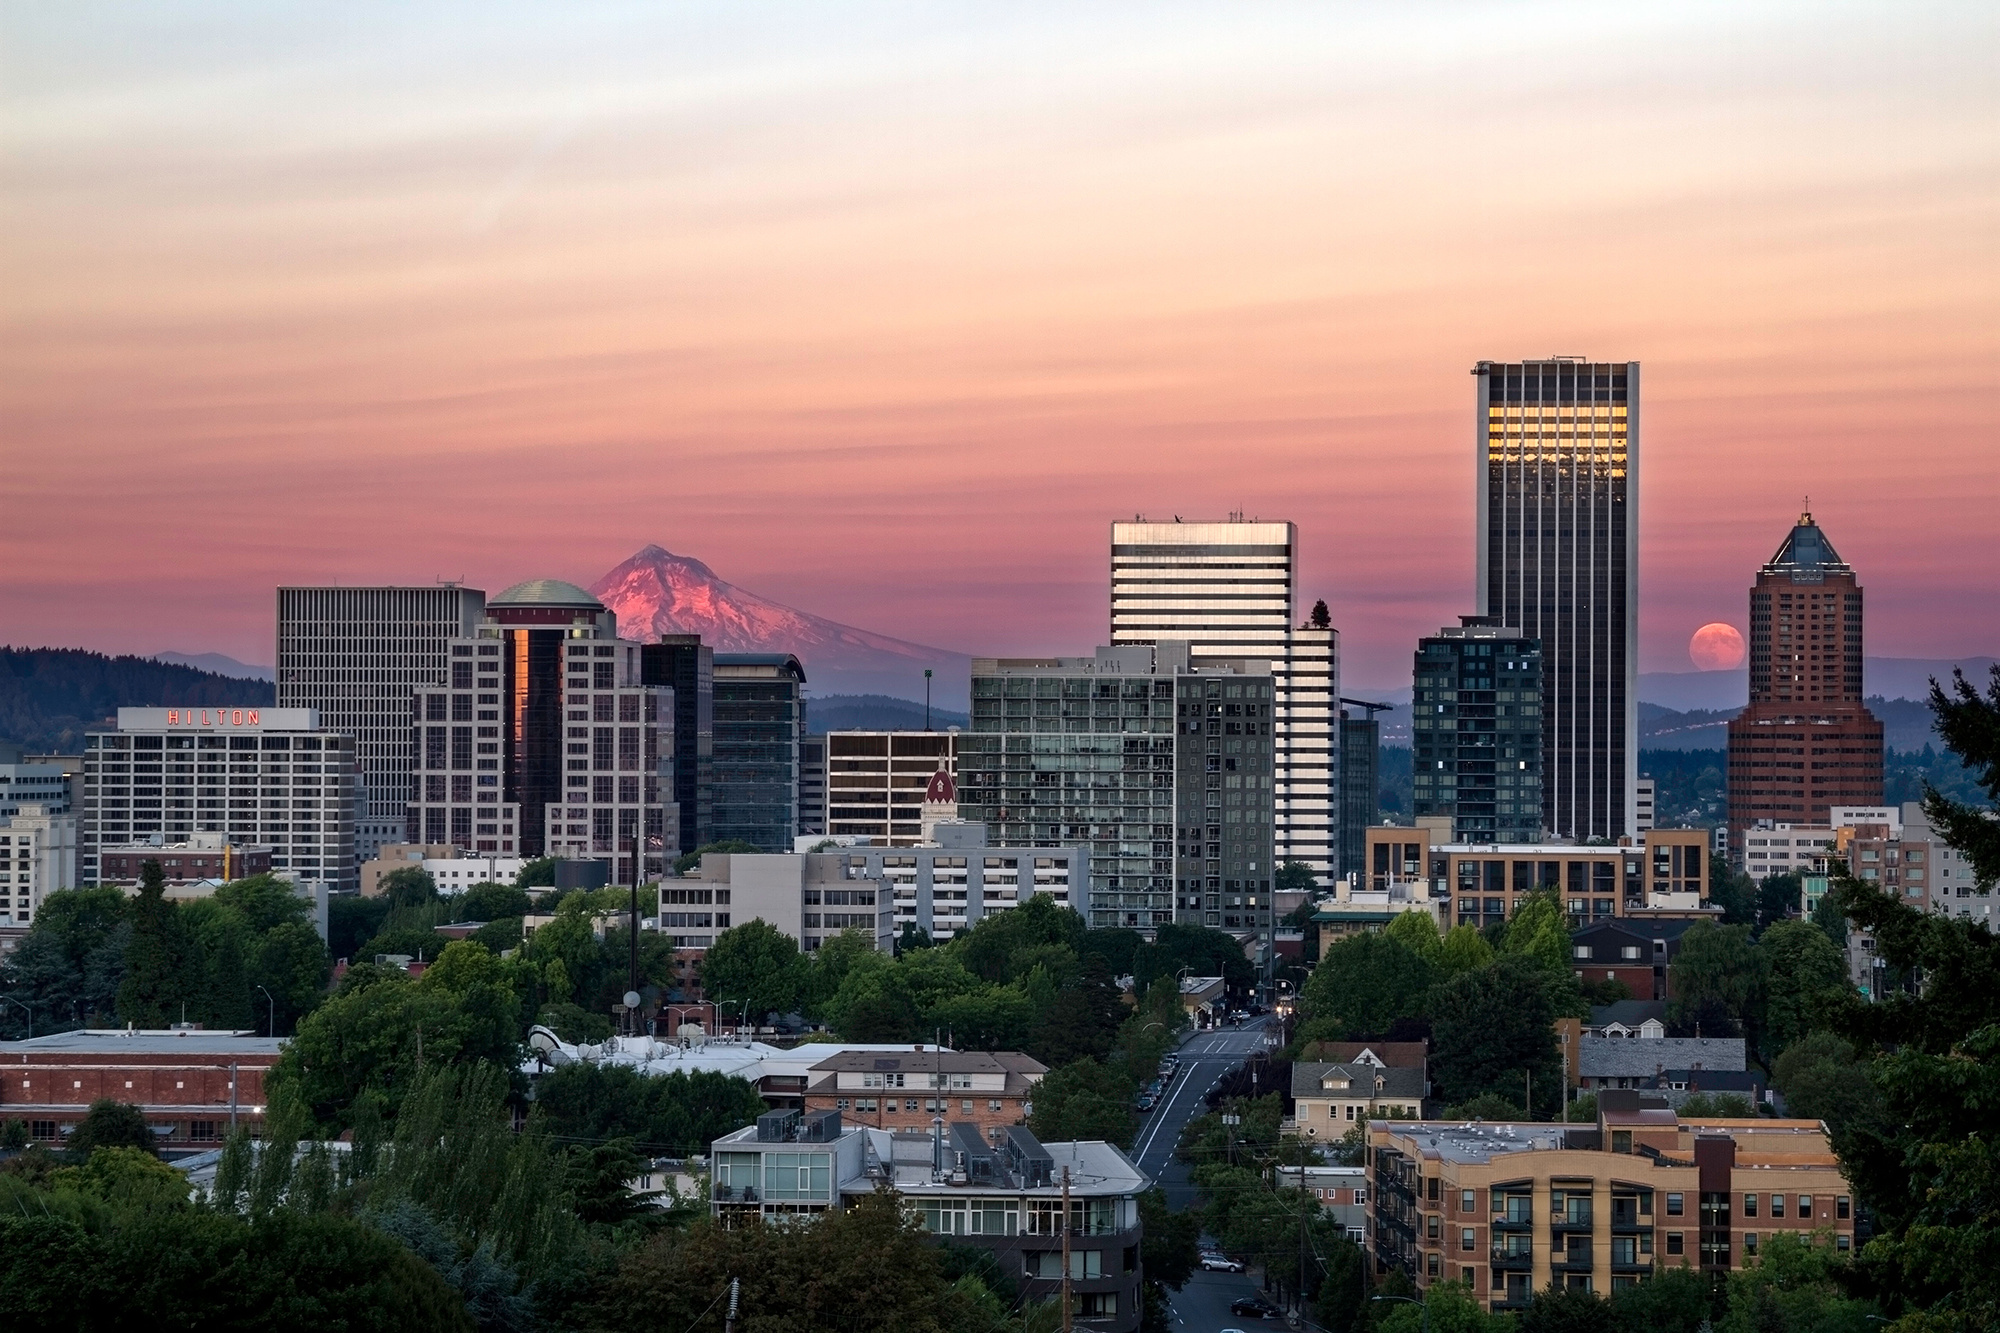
(1558, 456)
(273, 777)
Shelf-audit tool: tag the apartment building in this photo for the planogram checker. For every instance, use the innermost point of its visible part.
(955, 882)
(760, 724)
(1665, 870)
(1897, 849)
(37, 857)
(1341, 1191)
(1512, 1208)
(1635, 950)
(1476, 720)
(1005, 1197)
(909, 1089)
(1785, 849)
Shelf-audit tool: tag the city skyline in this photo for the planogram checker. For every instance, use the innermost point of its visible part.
(573, 272)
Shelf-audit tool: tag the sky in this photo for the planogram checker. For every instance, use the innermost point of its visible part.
(887, 311)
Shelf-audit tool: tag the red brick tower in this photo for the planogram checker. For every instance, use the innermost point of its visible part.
(1806, 743)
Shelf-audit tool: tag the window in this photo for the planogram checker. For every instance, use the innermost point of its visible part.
(1843, 1243)
(1675, 1243)
(1777, 1205)
(1467, 1201)
(1094, 1304)
(1674, 1208)
(1805, 1205)
(1432, 1227)
(1465, 1238)
(1749, 1245)
(1749, 1205)
(1840, 1207)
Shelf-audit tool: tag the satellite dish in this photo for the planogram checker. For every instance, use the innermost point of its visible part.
(631, 999)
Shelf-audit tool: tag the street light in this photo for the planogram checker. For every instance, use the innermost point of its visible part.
(274, 1011)
(1413, 1301)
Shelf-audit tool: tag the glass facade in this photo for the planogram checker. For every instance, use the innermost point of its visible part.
(685, 664)
(1162, 769)
(1477, 731)
(1360, 787)
(759, 722)
(1558, 561)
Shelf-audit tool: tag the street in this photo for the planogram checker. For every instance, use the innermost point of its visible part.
(1202, 1306)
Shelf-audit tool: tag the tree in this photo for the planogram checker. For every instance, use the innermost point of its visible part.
(110, 1124)
(1296, 877)
(1171, 1245)
(1083, 1100)
(1561, 1309)
(677, 1113)
(1320, 618)
(1719, 1106)
(1417, 932)
(1363, 984)
(727, 847)
(1490, 1028)
(540, 873)
(754, 961)
(494, 902)
(1464, 949)
(1808, 980)
(1970, 727)
(1719, 977)
(1777, 899)
(1083, 1022)
(1451, 1308)
(162, 961)
(1673, 1300)
(411, 886)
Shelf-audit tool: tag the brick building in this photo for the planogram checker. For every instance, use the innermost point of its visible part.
(1664, 872)
(192, 1085)
(203, 856)
(885, 1090)
(1639, 953)
(1806, 743)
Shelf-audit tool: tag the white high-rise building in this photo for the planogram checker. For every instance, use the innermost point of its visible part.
(1230, 590)
(37, 858)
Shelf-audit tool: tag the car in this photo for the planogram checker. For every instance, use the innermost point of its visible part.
(1220, 1263)
(1254, 1306)
(1145, 1103)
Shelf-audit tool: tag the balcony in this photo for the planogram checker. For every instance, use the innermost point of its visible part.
(1518, 1220)
(1570, 1261)
(1574, 1219)
(1503, 1258)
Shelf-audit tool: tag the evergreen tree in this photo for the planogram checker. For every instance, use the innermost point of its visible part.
(162, 963)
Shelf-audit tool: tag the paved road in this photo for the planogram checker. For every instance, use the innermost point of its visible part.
(1202, 1306)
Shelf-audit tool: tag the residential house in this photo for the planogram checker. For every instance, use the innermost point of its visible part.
(1332, 1099)
(1619, 1062)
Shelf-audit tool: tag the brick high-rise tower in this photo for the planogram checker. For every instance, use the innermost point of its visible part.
(1806, 743)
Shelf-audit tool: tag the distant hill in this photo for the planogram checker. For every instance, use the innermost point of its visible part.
(1906, 725)
(50, 696)
(874, 712)
(219, 664)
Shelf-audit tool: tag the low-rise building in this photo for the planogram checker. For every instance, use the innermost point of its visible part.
(1341, 1190)
(452, 869)
(1785, 849)
(1643, 1019)
(1390, 1054)
(1484, 884)
(908, 1089)
(193, 1086)
(202, 857)
(1637, 951)
(1898, 850)
(1333, 1099)
(1352, 908)
(953, 879)
(811, 896)
(1006, 1197)
(1512, 1208)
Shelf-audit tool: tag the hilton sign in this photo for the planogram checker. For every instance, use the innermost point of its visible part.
(218, 719)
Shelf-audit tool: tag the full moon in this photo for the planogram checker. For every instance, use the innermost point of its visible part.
(1716, 647)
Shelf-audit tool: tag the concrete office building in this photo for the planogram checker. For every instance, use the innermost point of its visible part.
(1477, 733)
(875, 782)
(273, 777)
(1807, 742)
(1645, 797)
(1510, 1209)
(952, 884)
(1230, 591)
(810, 896)
(760, 723)
(42, 785)
(539, 738)
(812, 787)
(686, 665)
(354, 654)
(1161, 764)
(1558, 541)
(38, 849)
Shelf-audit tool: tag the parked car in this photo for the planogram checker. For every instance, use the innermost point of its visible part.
(1145, 1103)
(1220, 1263)
(1256, 1307)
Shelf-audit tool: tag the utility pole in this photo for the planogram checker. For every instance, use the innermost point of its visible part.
(632, 964)
(927, 698)
(729, 1323)
(1065, 1253)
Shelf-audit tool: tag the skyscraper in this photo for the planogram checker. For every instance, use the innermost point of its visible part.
(353, 655)
(1558, 559)
(760, 723)
(1477, 733)
(687, 665)
(1229, 590)
(1360, 786)
(1806, 743)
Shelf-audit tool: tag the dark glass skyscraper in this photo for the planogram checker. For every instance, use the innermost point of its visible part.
(1476, 733)
(1559, 561)
(685, 663)
(1360, 785)
(760, 720)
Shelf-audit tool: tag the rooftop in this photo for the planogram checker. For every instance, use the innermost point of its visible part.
(1629, 1013)
(546, 592)
(1309, 1080)
(112, 1042)
(1806, 552)
(1622, 1057)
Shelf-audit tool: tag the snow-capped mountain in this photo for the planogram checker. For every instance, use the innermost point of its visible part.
(658, 592)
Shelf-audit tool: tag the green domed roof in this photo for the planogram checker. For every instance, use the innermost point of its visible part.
(545, 592)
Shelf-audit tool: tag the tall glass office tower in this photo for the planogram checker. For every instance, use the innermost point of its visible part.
(1559, 561)
(1229, 590)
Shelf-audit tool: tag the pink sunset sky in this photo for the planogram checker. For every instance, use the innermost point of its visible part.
(886, 312)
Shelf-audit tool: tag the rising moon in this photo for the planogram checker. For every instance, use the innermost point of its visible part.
(1716, 647)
